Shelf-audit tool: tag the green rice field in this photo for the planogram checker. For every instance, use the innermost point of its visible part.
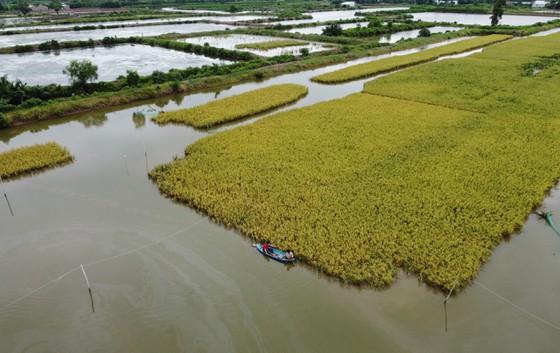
(28, 159)
(394, 63)
(427, 170)
(235, 107)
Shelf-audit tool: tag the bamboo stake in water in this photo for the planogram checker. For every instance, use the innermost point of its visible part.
(146, 155)
(125, 165)
(88, 287)
(6, 196)
(445, 301)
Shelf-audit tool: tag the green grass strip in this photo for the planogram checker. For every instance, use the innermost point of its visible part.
(235, 107)
(399, 62)
(29, 159)
(271, 44)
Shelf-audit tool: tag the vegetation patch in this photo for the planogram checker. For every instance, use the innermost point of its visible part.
(271, 44)
(30, 159)
(398, 62)
(236, 107)
(362, 186)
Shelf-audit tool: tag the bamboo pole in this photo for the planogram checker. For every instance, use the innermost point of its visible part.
(89, 288)
(6, 196)
(446, 299)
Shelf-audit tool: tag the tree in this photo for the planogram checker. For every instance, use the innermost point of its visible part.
(497, 12)
(23, 7)
(55, 5)
(424, 32)
(333, 30)
(80, 72)
(132, 78)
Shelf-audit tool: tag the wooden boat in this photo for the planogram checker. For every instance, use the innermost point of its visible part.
(275, 254)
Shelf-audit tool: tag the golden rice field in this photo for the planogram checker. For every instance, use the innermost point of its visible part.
(28, 159)
(398, 62)
(273, 44)
(235, 107)
(428, 180)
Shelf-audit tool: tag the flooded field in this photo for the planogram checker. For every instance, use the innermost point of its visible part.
(476, 19)
(324, 16)
(395, 37)
(231, 41)
(36, 38)
(319, 29)
(166, 278)
(41, 68)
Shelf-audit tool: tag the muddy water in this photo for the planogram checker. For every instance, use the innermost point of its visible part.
(166, 279)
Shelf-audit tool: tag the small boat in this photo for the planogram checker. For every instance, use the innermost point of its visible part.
(276, 254)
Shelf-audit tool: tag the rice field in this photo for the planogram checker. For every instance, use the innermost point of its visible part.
(29, 159)
(236, 107)
(272, 44)
(426, 171)
(398, 62)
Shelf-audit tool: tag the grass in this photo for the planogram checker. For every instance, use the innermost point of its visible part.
(398, 62)
(236, 107)
(30, 159)
(427, 171)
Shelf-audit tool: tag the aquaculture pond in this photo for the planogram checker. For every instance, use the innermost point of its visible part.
(319, 29)
(477, 19)
(36, 38)
(166, 278)
(395, 37)
(231, 41)
(324, 16)
(41, 68)
(230, 18)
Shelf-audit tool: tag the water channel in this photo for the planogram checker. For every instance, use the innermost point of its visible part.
(167, 279)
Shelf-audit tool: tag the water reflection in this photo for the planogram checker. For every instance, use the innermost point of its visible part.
(41, 68)
(139, 120)
(93, 120)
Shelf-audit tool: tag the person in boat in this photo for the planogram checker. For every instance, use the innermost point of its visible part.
(267, 248)
(289, 255)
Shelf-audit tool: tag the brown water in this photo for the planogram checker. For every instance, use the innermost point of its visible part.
(166, 279)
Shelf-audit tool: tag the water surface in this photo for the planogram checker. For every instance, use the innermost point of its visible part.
(477, 19)
(231, 41)
(166, 279)
(36, 38)
(41, 68)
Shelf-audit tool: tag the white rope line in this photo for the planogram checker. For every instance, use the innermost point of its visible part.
(39, 288)
(97, 262)
(518, 307)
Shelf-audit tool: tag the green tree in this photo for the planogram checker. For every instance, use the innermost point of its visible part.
(23, 7)
(497, 12)
(374, 22)
(132, 78)
(333, 30)
(424, 32)
(80, 72)
(55, 5)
